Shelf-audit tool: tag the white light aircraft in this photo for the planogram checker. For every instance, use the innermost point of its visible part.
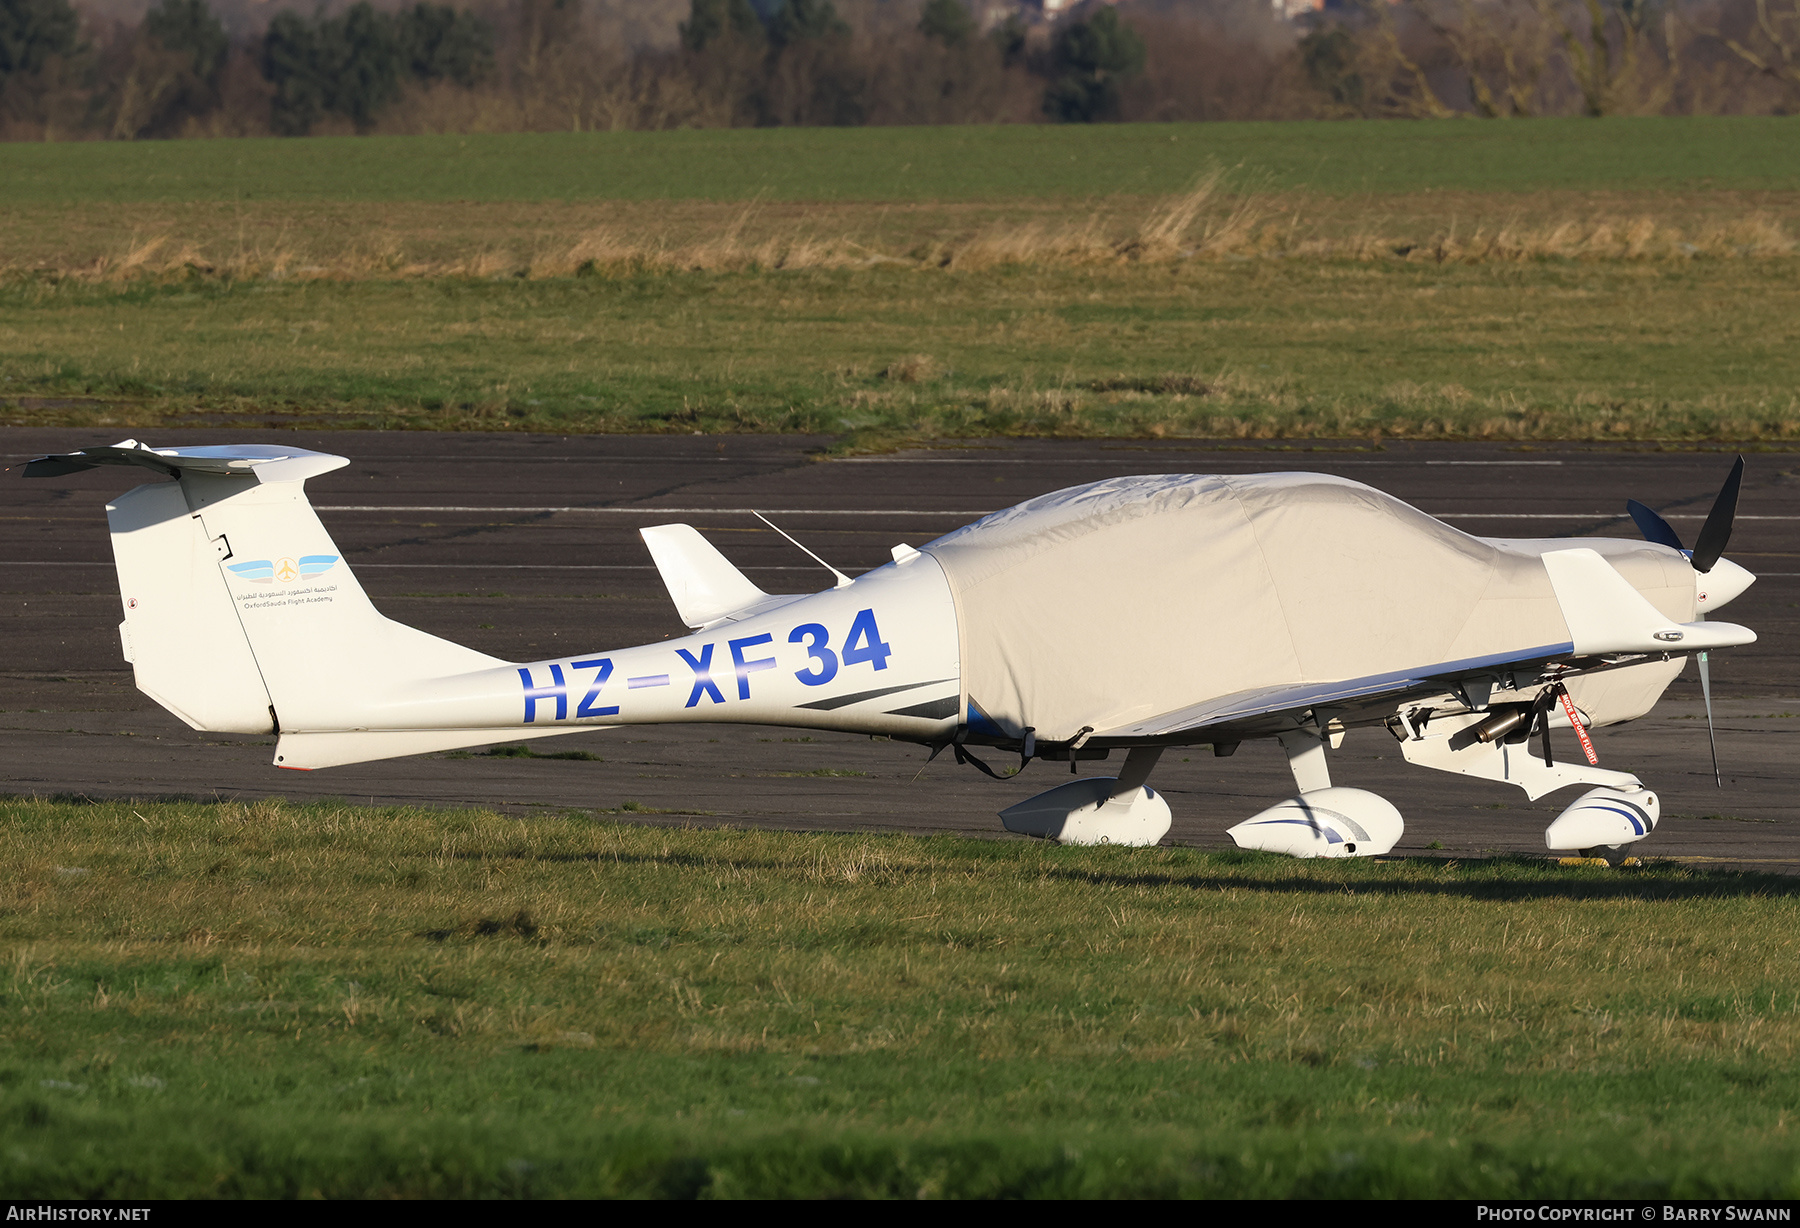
(1121, 617)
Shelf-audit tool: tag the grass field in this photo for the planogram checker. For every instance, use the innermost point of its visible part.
(1513, 280)
(920, 164)
(1694, 351)
(227, 1000)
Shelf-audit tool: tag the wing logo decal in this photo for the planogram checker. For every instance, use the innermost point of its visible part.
(284, 570)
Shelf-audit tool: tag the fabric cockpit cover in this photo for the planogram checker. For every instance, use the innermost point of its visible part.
(1117, 601)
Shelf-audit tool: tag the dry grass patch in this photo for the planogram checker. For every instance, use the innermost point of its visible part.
(1216, 219)
(1672, 349)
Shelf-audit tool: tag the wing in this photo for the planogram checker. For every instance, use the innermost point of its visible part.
(1610, 624)
(1275, 709)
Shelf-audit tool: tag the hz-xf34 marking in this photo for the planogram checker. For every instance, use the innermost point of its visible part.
(863, 645)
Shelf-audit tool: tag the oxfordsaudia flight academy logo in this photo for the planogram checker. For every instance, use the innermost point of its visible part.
(284, 570)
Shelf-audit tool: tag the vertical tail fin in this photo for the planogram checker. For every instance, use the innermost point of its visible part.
(240, 613)
(330, 660)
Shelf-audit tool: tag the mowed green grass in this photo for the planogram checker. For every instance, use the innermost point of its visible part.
(266, 1000)
(1698, 350)
(919, 164)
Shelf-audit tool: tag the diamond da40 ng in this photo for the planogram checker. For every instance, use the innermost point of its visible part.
(1121, 617)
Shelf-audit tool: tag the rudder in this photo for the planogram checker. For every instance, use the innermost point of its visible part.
(181, 632)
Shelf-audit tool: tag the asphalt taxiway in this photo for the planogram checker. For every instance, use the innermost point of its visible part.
(526, 546)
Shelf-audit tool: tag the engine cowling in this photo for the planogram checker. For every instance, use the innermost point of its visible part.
(1334, 822)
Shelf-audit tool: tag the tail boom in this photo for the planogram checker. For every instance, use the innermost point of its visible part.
(876, 657)
(242, 616)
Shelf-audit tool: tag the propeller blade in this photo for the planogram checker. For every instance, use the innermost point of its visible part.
(1653, 527)
(1706, 690)
(1544, 703)
(1717, 530)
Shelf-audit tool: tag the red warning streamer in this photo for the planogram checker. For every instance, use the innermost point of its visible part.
(1587, 743)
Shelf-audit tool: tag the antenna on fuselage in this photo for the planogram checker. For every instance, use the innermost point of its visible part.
(842, 579)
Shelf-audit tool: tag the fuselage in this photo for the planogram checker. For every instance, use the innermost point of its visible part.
(878, 656)
(1086, 609)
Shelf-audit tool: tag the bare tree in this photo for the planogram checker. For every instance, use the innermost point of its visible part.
(1363, 66)
(1232, 59)
(1771, 45)
(153, 78)
(1503, 49)
(1608, 60)
(1409, 92)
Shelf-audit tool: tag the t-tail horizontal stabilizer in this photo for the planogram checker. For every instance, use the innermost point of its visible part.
(265, 462)
(1607, 616)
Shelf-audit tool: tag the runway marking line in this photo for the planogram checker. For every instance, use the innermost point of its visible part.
(360, 566)
(915, 511)
(1761, 575)
(1319, 458)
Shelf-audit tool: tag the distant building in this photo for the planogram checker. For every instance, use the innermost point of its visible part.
(1031, 12)
(1294, 10)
